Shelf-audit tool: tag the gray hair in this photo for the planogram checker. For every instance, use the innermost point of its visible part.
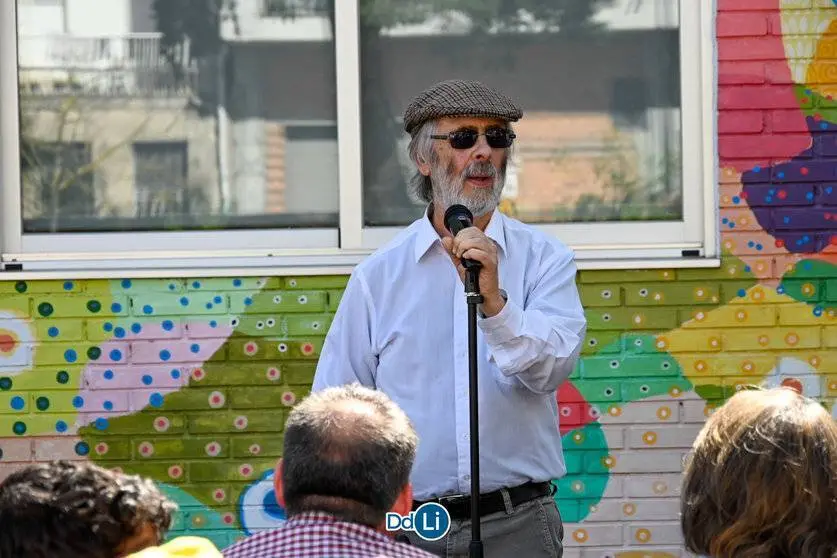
(348, 451)
(420, 188)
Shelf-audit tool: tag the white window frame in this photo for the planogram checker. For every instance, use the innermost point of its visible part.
(694, 242)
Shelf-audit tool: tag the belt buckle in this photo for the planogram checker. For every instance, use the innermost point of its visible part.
(453, 499)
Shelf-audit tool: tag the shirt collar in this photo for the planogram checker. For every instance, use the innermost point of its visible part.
(426, 235)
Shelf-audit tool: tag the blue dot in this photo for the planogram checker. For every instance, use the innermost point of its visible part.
(53, 331)
(108, 375)
(116, 308)
(78, 401)
(209, 306)
(818, 311)
(272, 507)
(172, 286)
(82, 448)
(147, 380)
(108, 327)
(759, 247)
(769, 199)
(781, 175)
(175, 374)
(747, 269)
(116, 354)
(126, 283)
(799, 242)
(751, 244)
(196, 284)
(823, 125)
(780, 289)
(70, 355)
(218, 300)
(772, 191)
(184, 301)
(108, 406)
(147, 309)
(757, 169)
(17, 403)
(736, 199)
(60, 426)
(236, 282)
(195, 348)
(786, 220)
(168, 325)
(725, 220)
(806, 238)
(119, 332)
(101, 423)
(156, 400)
(248, 301)
(165, 355)
(742, 292)
(68, 285)
(807, 266)
(213, 323)
(809, 196)
(732, 225)
(829, 189)
(136, 328)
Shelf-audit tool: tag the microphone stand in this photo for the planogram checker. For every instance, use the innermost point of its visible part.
(474, 298)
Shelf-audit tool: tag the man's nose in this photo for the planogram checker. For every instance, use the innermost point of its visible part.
(481, 149)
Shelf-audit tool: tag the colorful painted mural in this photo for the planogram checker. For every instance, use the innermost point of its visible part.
(188, 381)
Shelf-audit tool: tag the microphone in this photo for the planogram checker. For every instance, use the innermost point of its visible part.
(458, 217)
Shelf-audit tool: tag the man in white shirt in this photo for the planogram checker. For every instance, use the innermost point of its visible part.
(402, 327)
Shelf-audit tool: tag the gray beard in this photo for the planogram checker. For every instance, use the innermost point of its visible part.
(449, 189)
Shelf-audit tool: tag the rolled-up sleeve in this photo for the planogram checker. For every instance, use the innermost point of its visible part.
(541, 343)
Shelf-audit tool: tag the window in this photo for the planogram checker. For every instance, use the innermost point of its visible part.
(268, 133)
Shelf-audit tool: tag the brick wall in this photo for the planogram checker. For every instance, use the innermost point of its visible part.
(189, 380)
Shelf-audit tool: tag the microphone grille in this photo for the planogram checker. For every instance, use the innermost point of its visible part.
(457, 213)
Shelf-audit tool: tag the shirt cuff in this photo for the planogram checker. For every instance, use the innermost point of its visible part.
(503, 326)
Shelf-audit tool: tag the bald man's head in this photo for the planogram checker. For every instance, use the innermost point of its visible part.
(348, 451)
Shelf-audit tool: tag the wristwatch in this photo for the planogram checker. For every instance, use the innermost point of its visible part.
(479, 307)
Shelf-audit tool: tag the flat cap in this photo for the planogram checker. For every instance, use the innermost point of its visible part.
(459, 98)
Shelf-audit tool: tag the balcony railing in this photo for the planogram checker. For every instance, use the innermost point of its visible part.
(128, 65)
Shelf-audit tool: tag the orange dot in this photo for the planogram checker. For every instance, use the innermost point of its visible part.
(580, 535)
(747, 366)
(832, 385)
(815, 361)
(614, 410)
(650, 438)
(662, 343)
(791, 339)
(714, 342)
(708, 410)
(764, 340)
(629, 509)
(659, 487)
(663, 413)
(700, 366)
(758, 294)
(675, 391)
(741, 316)
(643, 535)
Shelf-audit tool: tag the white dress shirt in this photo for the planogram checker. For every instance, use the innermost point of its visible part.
(402, 328)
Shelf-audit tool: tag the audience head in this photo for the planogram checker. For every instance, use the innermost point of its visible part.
(348, 451)
(763, 479)
(78, 509)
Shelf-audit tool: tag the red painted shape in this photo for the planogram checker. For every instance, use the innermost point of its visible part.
(7, 343)
(750, 52)
(573, 409)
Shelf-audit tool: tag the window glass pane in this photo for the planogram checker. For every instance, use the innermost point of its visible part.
(598, 81)
(144, 115)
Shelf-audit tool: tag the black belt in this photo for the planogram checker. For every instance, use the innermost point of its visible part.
(459, 507)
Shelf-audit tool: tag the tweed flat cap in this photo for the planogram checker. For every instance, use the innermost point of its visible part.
(459, 98)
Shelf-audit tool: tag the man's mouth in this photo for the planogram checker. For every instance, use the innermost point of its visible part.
(481, 181)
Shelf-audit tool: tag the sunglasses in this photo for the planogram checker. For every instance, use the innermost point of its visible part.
(497, 138)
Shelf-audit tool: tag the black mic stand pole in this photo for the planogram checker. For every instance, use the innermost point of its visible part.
(474, 298)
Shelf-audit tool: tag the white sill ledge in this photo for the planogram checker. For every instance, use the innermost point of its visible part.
(94, 266)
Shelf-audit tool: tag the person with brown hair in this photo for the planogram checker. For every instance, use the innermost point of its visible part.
(763, 479)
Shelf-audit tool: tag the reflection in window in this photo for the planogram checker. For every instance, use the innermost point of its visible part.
(183, 130)
(598, 81)
(57, 183)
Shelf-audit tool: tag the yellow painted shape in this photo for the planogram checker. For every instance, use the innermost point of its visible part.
(821, 74)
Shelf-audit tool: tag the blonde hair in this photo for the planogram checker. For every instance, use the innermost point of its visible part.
(763, 479)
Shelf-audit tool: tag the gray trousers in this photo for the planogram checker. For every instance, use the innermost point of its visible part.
(533, 529)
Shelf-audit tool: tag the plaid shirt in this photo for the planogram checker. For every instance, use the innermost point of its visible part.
(319, 535)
